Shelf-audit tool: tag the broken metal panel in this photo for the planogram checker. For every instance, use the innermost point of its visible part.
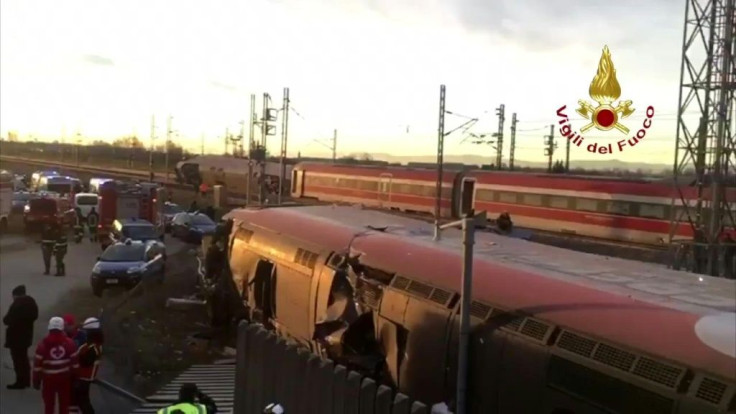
(427, 342)
(393, 305)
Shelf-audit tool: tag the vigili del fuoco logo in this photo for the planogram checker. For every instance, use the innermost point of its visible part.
(604, 90)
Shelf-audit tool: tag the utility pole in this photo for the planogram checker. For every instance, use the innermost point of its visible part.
(551, 145)
(513, 141)
(499, 135)
(469, 221)
(61, 147)
(201, 145)
(334, 146)
(440, 162)
(227, 140)
(250, 147)
(284, 141)
(241, 138)
(166, 148)
(79, 142)
(151, 147)
(266, 130)
(567, 156)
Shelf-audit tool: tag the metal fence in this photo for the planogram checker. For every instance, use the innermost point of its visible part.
(270, 370)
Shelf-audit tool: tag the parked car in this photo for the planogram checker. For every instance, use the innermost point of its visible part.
(192, 227)
(46, 210)
(170, 210)
(20, 200)
(128, 263)
(133, 229)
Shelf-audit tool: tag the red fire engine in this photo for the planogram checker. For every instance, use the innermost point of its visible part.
(119, 201)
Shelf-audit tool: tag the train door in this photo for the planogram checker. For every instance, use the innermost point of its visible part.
(264, 290)
(384, 189)
(297, 183)
(467, 195)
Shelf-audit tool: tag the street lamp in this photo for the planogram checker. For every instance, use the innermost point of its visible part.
(468, 224)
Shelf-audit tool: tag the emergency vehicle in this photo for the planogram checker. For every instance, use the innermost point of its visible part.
(36, 177)
(48, 208)
(6, 198)
(59, 184)
(94, 184)
(118, 202)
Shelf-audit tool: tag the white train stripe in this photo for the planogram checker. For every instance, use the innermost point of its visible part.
(375, 179)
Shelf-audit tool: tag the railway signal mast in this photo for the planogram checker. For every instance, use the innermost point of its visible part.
(441, 134)
(550, 146)
(267, 130)
(499, 137)
(706, 141)
(284, 142)
(512, 149)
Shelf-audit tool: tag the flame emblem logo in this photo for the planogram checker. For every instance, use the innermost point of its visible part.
(605, 90)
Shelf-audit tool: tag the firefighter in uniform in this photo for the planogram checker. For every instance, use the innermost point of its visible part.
(48, 240)
(90, 354)
(60, 247)
(53, 367)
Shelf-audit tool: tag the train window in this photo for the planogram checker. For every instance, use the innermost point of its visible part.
(586, 204)
(617, 207)
(558, 202)
(367, 185)
(506, 197)
(483, 195)
(532, 199)
(652, 211)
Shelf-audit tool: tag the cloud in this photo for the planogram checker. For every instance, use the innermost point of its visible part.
(98, 60)
(539, 25)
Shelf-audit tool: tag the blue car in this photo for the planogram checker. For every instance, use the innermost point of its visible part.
(126, 264)
(192, 227)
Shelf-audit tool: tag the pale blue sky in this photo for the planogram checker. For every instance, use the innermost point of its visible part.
(369, 68)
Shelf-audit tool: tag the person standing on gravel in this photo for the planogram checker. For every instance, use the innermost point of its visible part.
(19, 320)
(54, 366)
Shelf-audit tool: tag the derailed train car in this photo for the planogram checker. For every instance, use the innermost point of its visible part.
(545, 339)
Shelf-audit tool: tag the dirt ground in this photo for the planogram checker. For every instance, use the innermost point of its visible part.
(147, 343)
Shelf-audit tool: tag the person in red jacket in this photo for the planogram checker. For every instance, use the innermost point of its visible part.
(89, 360)
(54, 366)
(72, 330)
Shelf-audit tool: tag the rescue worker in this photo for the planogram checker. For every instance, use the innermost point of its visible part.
(90, 354)
(72, 330)
(504, 222)
(60, 248)
(273, 409)
(54, 365)
(79, 222)
(19, 320)
(186, 403)
(92, 220)
(48, 240)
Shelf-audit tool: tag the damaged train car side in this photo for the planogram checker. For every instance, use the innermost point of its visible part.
(388, 307)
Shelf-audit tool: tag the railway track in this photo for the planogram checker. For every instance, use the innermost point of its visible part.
(635, 251)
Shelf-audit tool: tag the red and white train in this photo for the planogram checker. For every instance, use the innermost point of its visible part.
(637, 211)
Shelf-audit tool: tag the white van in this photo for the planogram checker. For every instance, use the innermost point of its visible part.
(86, 202)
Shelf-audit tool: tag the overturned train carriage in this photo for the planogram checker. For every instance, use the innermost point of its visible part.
(389, 307)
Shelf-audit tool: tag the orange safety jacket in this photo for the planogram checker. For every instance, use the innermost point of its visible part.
(89, 361)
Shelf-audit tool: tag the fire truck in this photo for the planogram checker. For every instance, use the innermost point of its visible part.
(119, 201)
(6, 198)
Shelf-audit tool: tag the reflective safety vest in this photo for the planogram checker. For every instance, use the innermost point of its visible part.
(60, 245)
(186, 408)
(89, 372)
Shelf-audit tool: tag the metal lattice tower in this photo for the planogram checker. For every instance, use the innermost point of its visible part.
(705, 161)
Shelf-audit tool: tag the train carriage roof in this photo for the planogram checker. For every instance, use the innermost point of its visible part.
(396, 172)
(683, 317)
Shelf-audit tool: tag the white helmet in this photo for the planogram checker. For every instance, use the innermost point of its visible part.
(56, 323)
(91, 323)
(273, 408)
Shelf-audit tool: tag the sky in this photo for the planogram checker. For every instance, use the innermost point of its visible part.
(371, 69)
